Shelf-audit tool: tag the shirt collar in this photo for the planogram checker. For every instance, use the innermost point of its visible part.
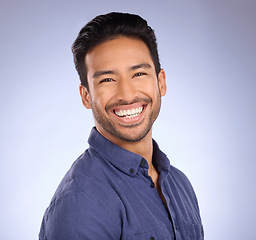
(160, 160)
(126, 161)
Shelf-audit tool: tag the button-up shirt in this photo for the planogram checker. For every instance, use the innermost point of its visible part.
(108, 194)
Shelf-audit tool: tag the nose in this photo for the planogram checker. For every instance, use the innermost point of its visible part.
(126, 90)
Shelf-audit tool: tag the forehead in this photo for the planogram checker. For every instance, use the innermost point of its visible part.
(118, 53)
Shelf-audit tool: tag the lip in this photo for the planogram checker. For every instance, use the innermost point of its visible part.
(128, 121)
(128, 107)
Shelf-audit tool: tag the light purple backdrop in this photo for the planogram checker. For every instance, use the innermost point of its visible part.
(206, 125)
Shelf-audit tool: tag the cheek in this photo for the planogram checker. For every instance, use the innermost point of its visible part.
(101, 98)
(151, 90)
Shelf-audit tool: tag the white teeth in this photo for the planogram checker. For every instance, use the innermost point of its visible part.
(130, 113)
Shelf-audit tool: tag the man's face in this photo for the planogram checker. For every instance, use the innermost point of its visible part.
(124, 91)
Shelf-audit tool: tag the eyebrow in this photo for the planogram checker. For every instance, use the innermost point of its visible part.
(100, 73)
(142, 65)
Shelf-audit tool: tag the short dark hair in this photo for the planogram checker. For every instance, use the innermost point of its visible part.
(111, 26)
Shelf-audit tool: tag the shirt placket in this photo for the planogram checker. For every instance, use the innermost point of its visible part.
(143, 174)
(171, 210)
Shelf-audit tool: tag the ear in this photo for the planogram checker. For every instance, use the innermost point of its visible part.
(85, 96)
(162, 82)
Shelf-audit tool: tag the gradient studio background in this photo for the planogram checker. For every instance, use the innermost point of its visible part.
(207, 122)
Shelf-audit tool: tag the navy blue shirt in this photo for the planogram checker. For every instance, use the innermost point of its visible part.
(108, 194)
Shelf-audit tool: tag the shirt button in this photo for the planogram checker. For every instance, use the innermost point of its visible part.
(142, 162)
(176, 227)
(202, 231)
(152, 185)
(152, 238)
(131, 170)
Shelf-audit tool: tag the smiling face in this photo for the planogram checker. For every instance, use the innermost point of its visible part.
(124, 91)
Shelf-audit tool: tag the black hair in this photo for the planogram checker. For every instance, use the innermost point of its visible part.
(110, 26)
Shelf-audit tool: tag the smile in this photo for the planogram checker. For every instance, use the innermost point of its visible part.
(129, 113)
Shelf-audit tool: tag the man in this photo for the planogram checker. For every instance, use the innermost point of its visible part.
(123, 186)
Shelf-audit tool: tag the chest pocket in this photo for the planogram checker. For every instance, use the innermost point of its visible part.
(192, 231)
(157, 234)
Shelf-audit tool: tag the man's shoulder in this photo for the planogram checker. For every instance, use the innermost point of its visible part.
(78, 174)
(178, 173)
(86, 179)
(81, 196)
(180, 176)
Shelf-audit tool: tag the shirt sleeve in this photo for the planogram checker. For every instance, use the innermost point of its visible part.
(79, 217)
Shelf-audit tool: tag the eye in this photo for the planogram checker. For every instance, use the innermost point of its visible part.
(106, 80)
(139, 74)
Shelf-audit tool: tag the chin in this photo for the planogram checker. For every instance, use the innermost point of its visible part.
(132, 135)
